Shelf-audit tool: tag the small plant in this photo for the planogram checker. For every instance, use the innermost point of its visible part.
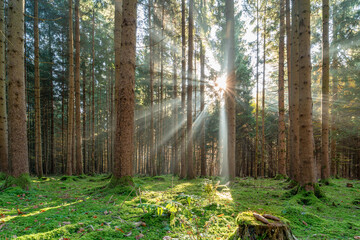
(210, 189)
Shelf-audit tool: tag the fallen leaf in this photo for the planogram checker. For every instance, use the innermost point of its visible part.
(167, 238)
(138, 224)
(94, 216)
(221, 215)
(19, 212)
(100, 229)
(27, 228)
(2, 225)
(42, 210)
(119, 229)
(356, 237)
(106, 212)
(128, 234)
(137, 237)
(66, 223)
(304, 223)
(81, 230)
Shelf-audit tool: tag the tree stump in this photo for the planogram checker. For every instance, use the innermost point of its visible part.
(251, 228)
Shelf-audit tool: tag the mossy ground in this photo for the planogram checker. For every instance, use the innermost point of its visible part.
(84, 208)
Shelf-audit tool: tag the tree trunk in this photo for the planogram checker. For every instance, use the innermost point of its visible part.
(288, 62)
(294, 97)
(38, 142)
(305, 101)
(262, 172)
(71, 94)
(18, 148)
(202, 108)
(175, 116)
(325, 166)
(257, 93)
(282, 145)
(79, 168)
(230, 87)
(183, 93)
(4, 166)
(190, 167)
(125, 105)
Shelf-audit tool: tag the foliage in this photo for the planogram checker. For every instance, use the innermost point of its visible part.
(84, 209)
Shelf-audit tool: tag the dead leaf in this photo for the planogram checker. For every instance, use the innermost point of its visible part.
(220, 215)
(304, 223)
(167, 238)
(19, 212)
(106, 212)
(66, 223)
(81, 230)
(128, 234)
(137, 237)
(100, 229)
(138, 224)
(2, 225)
(356, 237)
(119, 229)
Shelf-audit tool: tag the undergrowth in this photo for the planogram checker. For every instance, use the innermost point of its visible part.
(164, 207)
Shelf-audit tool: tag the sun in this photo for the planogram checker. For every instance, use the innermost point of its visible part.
(220, 83)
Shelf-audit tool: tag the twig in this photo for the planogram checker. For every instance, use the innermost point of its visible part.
(126, 198)
(110, 199)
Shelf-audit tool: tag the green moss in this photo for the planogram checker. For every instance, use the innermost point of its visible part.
(2, 176)
(23, 181)
(280, 177)
(121, 181)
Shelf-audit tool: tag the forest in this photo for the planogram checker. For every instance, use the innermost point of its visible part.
(174, 119)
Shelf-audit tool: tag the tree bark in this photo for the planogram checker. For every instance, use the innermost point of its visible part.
(175, 116)
(18, 148)
(190, 167)
(257, 93)
(84, 117)
(305, 101)
(262, 168)
(4, 165)
(126, 97)
(183, 93)
(202, 107)
(92, 164)
(294, 97)
(325, 166)
(79, 162)
(71, 94)
(281, 139)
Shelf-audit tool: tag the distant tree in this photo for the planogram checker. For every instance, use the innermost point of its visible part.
(325, 165)
(71, 94)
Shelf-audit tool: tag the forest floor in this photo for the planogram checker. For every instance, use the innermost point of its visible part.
(167, 208)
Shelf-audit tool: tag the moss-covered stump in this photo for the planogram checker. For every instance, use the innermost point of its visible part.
(251, 228)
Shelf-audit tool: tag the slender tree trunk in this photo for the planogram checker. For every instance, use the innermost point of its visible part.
(92, 164)
(124, 147)
(3, 115)
(325, 166)
(38, 142)
(152, 151)
(262, 172)
(183, 93)
(305, 100)
(175, 116)
(84, 118)
(202, 108)
(190, 167)
(71, 94)
(79, 162)
(230, 86)
(282, 144)
(18, 148)
(257, 93)
(333, 154)
(288, 62)
(294, 97)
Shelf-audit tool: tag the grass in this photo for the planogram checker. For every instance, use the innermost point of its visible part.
(165, 207)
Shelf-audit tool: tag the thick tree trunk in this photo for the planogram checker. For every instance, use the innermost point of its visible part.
(183, 93)
(202, 108)
(38, 142)
(124, 147)
(79, 163)
(282, 144)
(288, 62)
(305, 101)
(175, 160)
(230, 86)
(4, 166)
(325, 166)
(18, 148)
(294, 97)
(71, 94)
(189, 156)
